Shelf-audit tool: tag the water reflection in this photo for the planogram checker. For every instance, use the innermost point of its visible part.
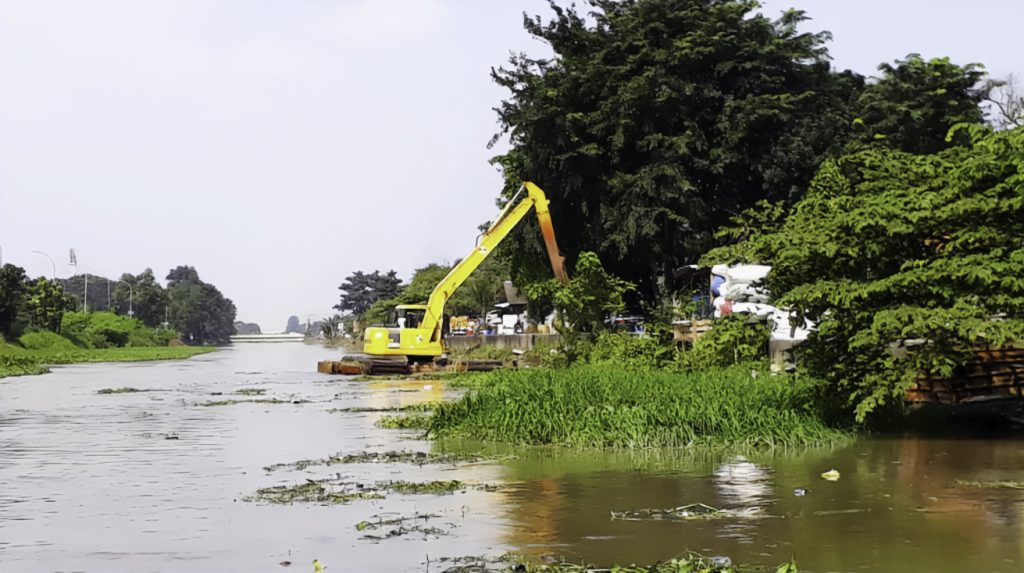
(897, 506)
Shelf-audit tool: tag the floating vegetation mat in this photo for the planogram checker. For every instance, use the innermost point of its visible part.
(420, 407)
(330, 491)
(681, 513)
(314, 492)
(257, 401)
(407, 457)
(251, 391)
(420, 526)
(513, 564)
(405, 422)
(1007, 484)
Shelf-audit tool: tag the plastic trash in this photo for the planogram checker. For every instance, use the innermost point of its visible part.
(831, 475)
(800, 492)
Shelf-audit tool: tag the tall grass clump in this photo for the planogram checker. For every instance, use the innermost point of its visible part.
(604, 405)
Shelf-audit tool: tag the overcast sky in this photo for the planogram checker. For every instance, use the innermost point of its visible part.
(277, 146)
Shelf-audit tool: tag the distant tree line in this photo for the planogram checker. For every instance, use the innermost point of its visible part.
(195, 309)
(370, 296)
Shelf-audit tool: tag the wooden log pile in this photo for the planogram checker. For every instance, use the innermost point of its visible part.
(992, 374)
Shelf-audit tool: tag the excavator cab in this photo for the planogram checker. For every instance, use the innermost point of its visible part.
(403, 334)
(414, 330)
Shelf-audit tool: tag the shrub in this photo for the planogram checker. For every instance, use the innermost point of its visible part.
(45, 340)
(106, 330)
(731, 340)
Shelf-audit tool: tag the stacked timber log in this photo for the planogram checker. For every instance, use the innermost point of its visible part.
(992, 374)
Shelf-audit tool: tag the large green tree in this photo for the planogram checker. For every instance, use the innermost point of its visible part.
(657, 119)
(360, 290)
(907, 263)
(147, 299)
(13, 285)
(46, 302)
(914, 103)
(198, 310)
(76, 287)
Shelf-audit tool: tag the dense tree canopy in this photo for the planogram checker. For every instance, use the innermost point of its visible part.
(656, 119)
(198, 310)
(890, 249)
(98, 284)
(13, 285)
(148, 299)
(914, 103)
(360, 290)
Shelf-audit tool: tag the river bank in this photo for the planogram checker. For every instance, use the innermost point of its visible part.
(16, 361)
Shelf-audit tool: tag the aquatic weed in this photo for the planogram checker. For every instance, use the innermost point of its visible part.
(410, 457)
(124, 390)
(313, 491)
(406, 422)
(258, 401)
(250, 391)
(1004, 484)
(604, 405)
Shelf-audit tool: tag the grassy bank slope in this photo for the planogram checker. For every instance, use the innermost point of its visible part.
(617, 406)
(17, 361)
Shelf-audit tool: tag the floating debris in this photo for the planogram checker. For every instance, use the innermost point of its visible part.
(682, 513)
(125, 390)
(831, 475)
(800, 492)
(1005, 484)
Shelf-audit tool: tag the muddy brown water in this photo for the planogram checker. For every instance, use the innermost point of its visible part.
(91, 482)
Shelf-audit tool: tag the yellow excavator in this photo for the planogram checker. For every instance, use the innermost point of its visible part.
(414, 331)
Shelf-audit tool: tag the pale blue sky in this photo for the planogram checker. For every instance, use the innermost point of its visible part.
(279, 146)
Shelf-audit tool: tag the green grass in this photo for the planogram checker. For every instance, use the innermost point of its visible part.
(604, 405)
(18, 360)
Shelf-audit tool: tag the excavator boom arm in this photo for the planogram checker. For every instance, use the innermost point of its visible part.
(513, 213)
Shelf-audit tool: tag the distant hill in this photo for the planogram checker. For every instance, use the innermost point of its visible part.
(247, 328)
(294, 325)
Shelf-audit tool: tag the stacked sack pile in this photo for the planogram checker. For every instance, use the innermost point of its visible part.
(739, 289)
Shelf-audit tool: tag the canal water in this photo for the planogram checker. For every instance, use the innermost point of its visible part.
(155, 481)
